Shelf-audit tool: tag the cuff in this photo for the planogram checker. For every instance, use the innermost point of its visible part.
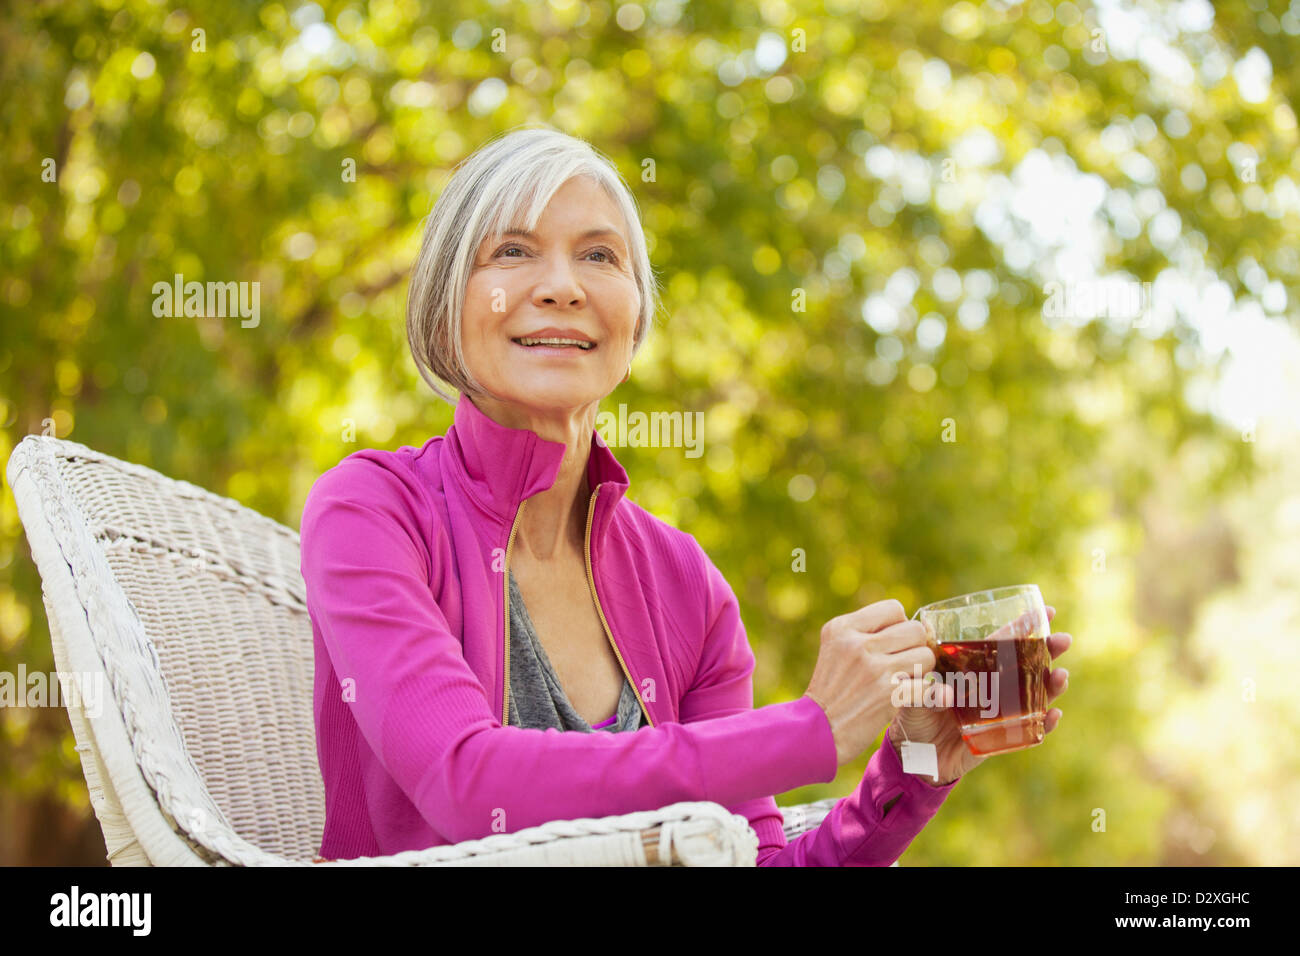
(823, 759)
(886, 779)
(866, 834)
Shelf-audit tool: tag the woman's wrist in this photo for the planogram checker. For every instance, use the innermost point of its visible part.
(898, 749)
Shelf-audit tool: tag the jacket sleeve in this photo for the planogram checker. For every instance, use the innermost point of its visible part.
(368, 560)
(859, 830)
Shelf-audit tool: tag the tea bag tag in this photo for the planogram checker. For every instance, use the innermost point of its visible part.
(919, 757)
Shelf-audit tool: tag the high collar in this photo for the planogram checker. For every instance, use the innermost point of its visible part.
(504, 465)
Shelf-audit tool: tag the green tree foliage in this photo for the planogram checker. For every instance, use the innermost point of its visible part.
(891, 410)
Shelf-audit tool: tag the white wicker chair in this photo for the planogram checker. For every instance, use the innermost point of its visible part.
(189, 611)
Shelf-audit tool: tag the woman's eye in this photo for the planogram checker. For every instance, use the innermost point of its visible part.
(609, 256)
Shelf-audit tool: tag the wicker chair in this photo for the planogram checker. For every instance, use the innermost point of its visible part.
(188, 611)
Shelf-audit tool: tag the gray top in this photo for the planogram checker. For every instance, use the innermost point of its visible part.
(536, 698)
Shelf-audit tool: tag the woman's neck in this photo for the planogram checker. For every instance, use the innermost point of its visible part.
(554, 520)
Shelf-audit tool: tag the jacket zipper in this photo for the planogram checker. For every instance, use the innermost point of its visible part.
(591, 580)
(505, 594)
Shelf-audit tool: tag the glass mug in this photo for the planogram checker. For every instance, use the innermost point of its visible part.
(991, 647)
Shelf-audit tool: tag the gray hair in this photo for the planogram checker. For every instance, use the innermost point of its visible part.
(506, 183)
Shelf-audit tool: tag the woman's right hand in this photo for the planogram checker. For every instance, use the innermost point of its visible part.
(853, 680)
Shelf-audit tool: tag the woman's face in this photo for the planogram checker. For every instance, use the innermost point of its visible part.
(571, 279)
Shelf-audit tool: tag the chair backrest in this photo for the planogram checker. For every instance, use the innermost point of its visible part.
(218, 591)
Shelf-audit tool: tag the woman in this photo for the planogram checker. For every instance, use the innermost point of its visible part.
(502, 637)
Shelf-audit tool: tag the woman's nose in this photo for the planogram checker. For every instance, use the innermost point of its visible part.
(558, 283)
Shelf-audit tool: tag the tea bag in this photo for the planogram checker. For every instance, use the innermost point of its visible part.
(919, 757)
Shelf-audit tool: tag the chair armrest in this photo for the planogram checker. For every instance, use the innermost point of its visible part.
(680, 834)
(803, 817)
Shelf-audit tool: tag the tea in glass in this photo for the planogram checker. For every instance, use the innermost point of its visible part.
(991, 647)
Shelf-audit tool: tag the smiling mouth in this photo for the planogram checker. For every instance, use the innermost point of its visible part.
(555, 343)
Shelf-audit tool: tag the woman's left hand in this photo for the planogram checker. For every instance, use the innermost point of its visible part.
(936, 725)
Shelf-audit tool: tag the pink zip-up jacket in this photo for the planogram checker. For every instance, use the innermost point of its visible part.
(404, 555)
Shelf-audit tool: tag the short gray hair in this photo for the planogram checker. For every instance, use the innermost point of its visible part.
(506, 183)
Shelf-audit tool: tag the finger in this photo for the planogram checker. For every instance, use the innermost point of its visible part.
(876, 616)
(903, 636)
(1058, 643)
(1053, 718)
(913, 657)
(1051, 612)
(1057, 682)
